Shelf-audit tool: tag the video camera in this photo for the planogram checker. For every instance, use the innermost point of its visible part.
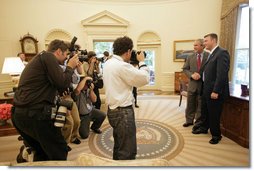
(76, 49)
(134, 53)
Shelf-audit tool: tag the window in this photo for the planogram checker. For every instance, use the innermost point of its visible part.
(150, 62)
(241, 63)
(100, 47)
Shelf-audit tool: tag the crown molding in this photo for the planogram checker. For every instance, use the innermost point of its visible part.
(124, 2)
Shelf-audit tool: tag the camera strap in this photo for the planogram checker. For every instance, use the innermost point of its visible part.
(44, 67)
(144, 65)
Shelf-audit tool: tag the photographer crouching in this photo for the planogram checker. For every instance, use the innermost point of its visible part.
(35, 98)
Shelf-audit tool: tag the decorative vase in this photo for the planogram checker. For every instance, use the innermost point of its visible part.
(3, 122)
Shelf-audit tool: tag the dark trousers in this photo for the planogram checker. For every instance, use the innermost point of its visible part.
(211, 110)
(122, 120)
(39, 132)
(97, 104)
(96, 116)
(134, 92)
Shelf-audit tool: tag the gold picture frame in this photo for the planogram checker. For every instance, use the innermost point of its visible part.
(182, 49)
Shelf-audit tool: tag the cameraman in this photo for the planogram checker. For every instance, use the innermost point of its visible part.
(85, 97)
(120, 77)
(93, 71)
(35, 97)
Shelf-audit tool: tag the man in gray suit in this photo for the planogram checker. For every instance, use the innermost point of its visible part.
(193, 68)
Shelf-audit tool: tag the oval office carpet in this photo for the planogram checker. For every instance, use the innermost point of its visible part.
(162, 111)
(159, 134)
(154, 140)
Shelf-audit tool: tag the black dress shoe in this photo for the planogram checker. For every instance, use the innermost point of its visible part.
(136, 106)
(97, 131)
(195, 127)
(199, 131)
(187, 124)
(215, 140)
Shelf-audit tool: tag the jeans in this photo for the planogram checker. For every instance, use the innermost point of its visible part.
(122, 120)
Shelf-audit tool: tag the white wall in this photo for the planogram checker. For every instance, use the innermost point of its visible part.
(172, 20)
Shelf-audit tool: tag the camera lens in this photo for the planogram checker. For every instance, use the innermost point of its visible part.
(60, 116)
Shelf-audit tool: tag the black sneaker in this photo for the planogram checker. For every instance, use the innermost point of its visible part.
(20, 158)
(76, 141)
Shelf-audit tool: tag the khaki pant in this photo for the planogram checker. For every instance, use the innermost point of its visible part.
(70, 129)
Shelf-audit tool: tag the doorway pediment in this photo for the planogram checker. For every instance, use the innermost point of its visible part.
(105, 18)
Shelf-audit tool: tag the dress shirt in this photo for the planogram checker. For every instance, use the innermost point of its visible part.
(119, 78)
(211, 52)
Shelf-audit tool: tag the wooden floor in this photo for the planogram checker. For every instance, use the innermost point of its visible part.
(163, 108)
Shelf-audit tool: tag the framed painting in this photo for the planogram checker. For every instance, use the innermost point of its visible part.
(182, 49)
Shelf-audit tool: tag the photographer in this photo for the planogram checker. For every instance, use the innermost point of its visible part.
(120, 77)
(71, 126)
(85, 98)
(94, 71)
(35, 97)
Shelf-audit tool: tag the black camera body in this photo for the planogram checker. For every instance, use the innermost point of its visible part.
(133, 59)
(100, 59)
(76, 49)
(96, 81)
(66, 103)
(88, 83)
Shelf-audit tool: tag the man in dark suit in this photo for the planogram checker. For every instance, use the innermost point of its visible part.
(192, 68)
(215, 88)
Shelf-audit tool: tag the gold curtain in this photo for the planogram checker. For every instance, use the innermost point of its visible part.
(229, 14)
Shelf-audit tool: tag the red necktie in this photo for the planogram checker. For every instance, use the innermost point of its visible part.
(199, 62)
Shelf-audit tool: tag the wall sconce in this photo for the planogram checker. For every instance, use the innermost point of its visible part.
(14, 67)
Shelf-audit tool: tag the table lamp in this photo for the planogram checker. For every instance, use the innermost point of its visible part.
(14, 67)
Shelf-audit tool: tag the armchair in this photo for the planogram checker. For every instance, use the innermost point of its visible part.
(183, 90)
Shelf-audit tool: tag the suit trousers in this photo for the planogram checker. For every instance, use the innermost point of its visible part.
(211, 110)
(134, 92)
(193, 109)
(70, 130)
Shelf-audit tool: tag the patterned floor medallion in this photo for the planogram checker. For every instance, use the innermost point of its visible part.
(154, 140)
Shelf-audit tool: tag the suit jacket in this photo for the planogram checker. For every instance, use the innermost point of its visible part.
(216, 73)
(190, 67)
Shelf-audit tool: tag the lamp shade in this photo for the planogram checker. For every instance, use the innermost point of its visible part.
(12, 66)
